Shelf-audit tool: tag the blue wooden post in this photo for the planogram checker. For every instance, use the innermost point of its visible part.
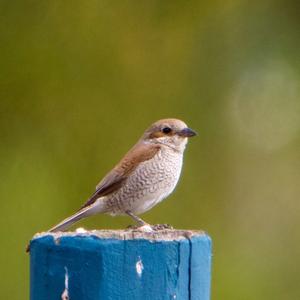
(127, 265)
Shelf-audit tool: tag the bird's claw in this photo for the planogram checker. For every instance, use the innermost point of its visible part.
(157, 227)
(149, 228)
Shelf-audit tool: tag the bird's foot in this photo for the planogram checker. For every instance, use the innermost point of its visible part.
(157, 227)
(148, 227)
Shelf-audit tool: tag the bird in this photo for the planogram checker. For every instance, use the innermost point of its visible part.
(146, 175)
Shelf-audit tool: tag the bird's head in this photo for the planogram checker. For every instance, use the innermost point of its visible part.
(170, 132)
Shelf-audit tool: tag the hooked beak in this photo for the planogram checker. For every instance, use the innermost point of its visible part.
(187, 132)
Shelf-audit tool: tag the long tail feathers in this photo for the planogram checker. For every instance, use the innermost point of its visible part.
(66, 223)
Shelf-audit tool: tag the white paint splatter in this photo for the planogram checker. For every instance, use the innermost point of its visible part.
(146, 228)
(80, 230)
(65, 294)
(139, 267)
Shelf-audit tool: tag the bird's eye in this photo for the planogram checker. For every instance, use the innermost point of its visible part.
(166, 130)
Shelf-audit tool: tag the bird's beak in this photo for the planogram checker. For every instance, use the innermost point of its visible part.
(187, 132)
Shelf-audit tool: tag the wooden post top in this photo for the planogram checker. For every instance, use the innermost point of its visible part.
(127, 234)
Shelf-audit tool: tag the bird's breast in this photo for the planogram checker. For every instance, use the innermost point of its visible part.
(149, 183)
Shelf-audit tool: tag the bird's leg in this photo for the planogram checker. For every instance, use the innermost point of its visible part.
(136, 218)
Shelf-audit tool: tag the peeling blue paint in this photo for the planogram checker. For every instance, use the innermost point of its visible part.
(106, 268)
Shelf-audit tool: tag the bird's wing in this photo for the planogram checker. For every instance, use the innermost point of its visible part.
(118, 175)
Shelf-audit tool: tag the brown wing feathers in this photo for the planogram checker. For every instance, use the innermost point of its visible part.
(118, 175)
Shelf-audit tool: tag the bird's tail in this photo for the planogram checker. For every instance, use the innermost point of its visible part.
(66, 223)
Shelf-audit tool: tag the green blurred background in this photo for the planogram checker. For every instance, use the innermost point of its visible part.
(81, 80)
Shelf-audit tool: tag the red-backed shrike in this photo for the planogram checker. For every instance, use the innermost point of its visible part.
(146, 175)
